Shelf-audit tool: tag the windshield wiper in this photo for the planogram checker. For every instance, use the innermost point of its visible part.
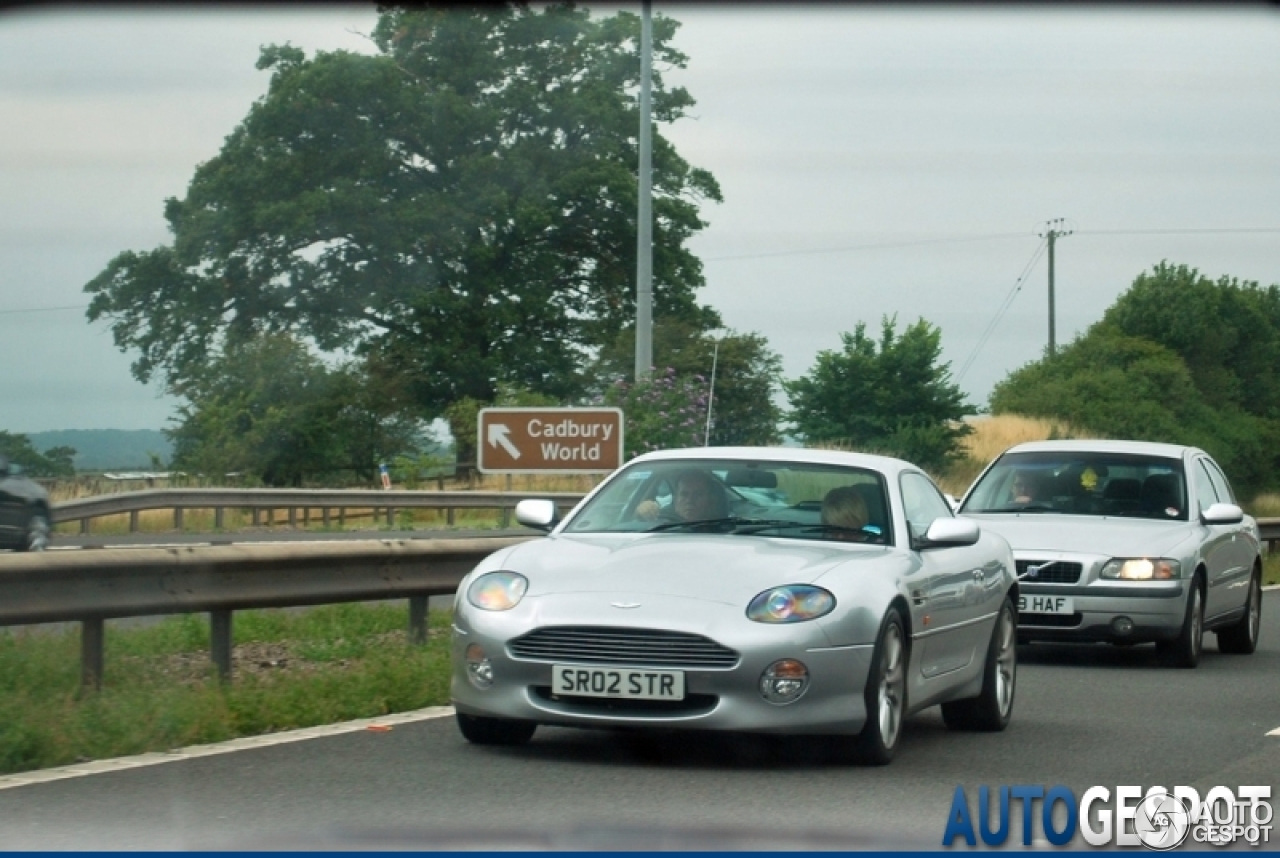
(701, 522)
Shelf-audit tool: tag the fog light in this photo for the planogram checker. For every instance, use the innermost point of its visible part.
(1122, 625)
(784, 681)
(479, 668)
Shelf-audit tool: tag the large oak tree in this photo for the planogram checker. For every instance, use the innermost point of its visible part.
(458, 208)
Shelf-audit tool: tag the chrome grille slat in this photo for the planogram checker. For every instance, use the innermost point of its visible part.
(610, 645)
(1051, 571)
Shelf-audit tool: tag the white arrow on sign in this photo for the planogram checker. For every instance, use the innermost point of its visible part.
(498, 437)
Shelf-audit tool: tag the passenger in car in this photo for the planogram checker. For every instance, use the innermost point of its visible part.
(845, 507)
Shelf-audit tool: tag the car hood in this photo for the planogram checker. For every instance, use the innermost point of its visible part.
(1083, 534)
(718, 568)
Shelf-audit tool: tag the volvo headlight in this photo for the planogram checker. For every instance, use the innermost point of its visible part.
(497, 591)
(793, 603)
(1141, 569)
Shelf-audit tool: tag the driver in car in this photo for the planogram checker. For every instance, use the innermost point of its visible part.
(845, 508)
(698, 497)
(1027, 487)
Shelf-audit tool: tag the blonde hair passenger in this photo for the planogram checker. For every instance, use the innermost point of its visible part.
(845, 507)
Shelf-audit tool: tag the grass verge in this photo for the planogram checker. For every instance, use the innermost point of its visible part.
(1271, 570)
(291, 669)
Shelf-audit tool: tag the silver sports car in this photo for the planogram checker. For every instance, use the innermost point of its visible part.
(1126, 542)
(760, 590)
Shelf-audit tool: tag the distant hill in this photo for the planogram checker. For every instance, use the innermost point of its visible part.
(107, 449)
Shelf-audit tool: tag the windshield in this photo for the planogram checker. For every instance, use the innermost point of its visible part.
(799, 501)
(1082, 484)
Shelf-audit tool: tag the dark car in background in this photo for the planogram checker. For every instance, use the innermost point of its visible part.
(1125, 542)
(24, 510)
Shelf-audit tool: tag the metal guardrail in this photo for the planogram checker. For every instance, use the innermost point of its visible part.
(1269, 530)
(293, 500)
(92, 587)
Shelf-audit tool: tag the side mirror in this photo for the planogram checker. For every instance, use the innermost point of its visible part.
(945, 532)
(1222, 513)
(538, 514)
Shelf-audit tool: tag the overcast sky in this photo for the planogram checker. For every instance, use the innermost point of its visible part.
(874, 161)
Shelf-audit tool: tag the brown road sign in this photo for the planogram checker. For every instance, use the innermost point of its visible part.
(549, 440)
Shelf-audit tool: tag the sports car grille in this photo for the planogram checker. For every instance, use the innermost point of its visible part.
(606, 645)
(1051, 572)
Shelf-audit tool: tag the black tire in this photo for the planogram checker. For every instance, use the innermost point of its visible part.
(886, 693)
(991, 710)
(36, 535)
(1184, 650)
(495, 731)
(1242, 637)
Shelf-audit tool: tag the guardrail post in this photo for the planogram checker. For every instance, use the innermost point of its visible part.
(92, 636)
(133, 521)
(257, 516)
(306, 516)
(417, 619)
(448, 515)
(271, 517)
(177, 518)
(390, 515)
(342, 516)
(324, 517)
(218, 517)
(220, 642)
(293, 516)
(84, 525)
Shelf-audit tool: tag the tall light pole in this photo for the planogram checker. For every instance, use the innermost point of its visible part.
(1053, 230)
(644, 220)
(711, 394)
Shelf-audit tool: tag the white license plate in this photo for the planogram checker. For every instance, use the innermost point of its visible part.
(621, 682)
(1033, 604)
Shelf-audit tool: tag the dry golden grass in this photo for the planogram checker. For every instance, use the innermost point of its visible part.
(992, 435)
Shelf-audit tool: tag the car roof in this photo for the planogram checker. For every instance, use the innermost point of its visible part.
(796, 455)
(1139, 448)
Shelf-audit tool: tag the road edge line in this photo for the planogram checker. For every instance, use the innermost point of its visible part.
(244, 743)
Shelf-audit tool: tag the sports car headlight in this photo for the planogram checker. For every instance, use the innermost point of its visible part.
(1141, 569)
(793, 603)
(497, 591)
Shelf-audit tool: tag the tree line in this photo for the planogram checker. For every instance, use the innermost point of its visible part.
(449, 222)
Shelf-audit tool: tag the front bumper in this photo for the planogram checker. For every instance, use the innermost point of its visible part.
(726, 699)
(1115, 612)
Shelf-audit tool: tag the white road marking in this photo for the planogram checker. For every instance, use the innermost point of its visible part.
(247, 743)
(1275, 732)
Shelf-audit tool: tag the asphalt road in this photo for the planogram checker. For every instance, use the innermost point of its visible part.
(1084, 716)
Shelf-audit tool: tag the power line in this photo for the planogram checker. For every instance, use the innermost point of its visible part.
(1225, 231)
(879, 246)
(992, 237)
(43, 309)
(1004, 308)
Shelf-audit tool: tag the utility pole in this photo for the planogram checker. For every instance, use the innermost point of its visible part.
(1053, 230)
(644, 220)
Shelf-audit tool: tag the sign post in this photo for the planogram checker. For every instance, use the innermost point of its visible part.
(549, 440)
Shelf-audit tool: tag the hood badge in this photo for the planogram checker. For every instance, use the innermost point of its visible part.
(624, 605)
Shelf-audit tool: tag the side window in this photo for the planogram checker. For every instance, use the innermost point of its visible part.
(1206, 495)
(1219, 481)
(922, 503)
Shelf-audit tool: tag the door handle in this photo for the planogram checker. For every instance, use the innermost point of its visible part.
(919, 597)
